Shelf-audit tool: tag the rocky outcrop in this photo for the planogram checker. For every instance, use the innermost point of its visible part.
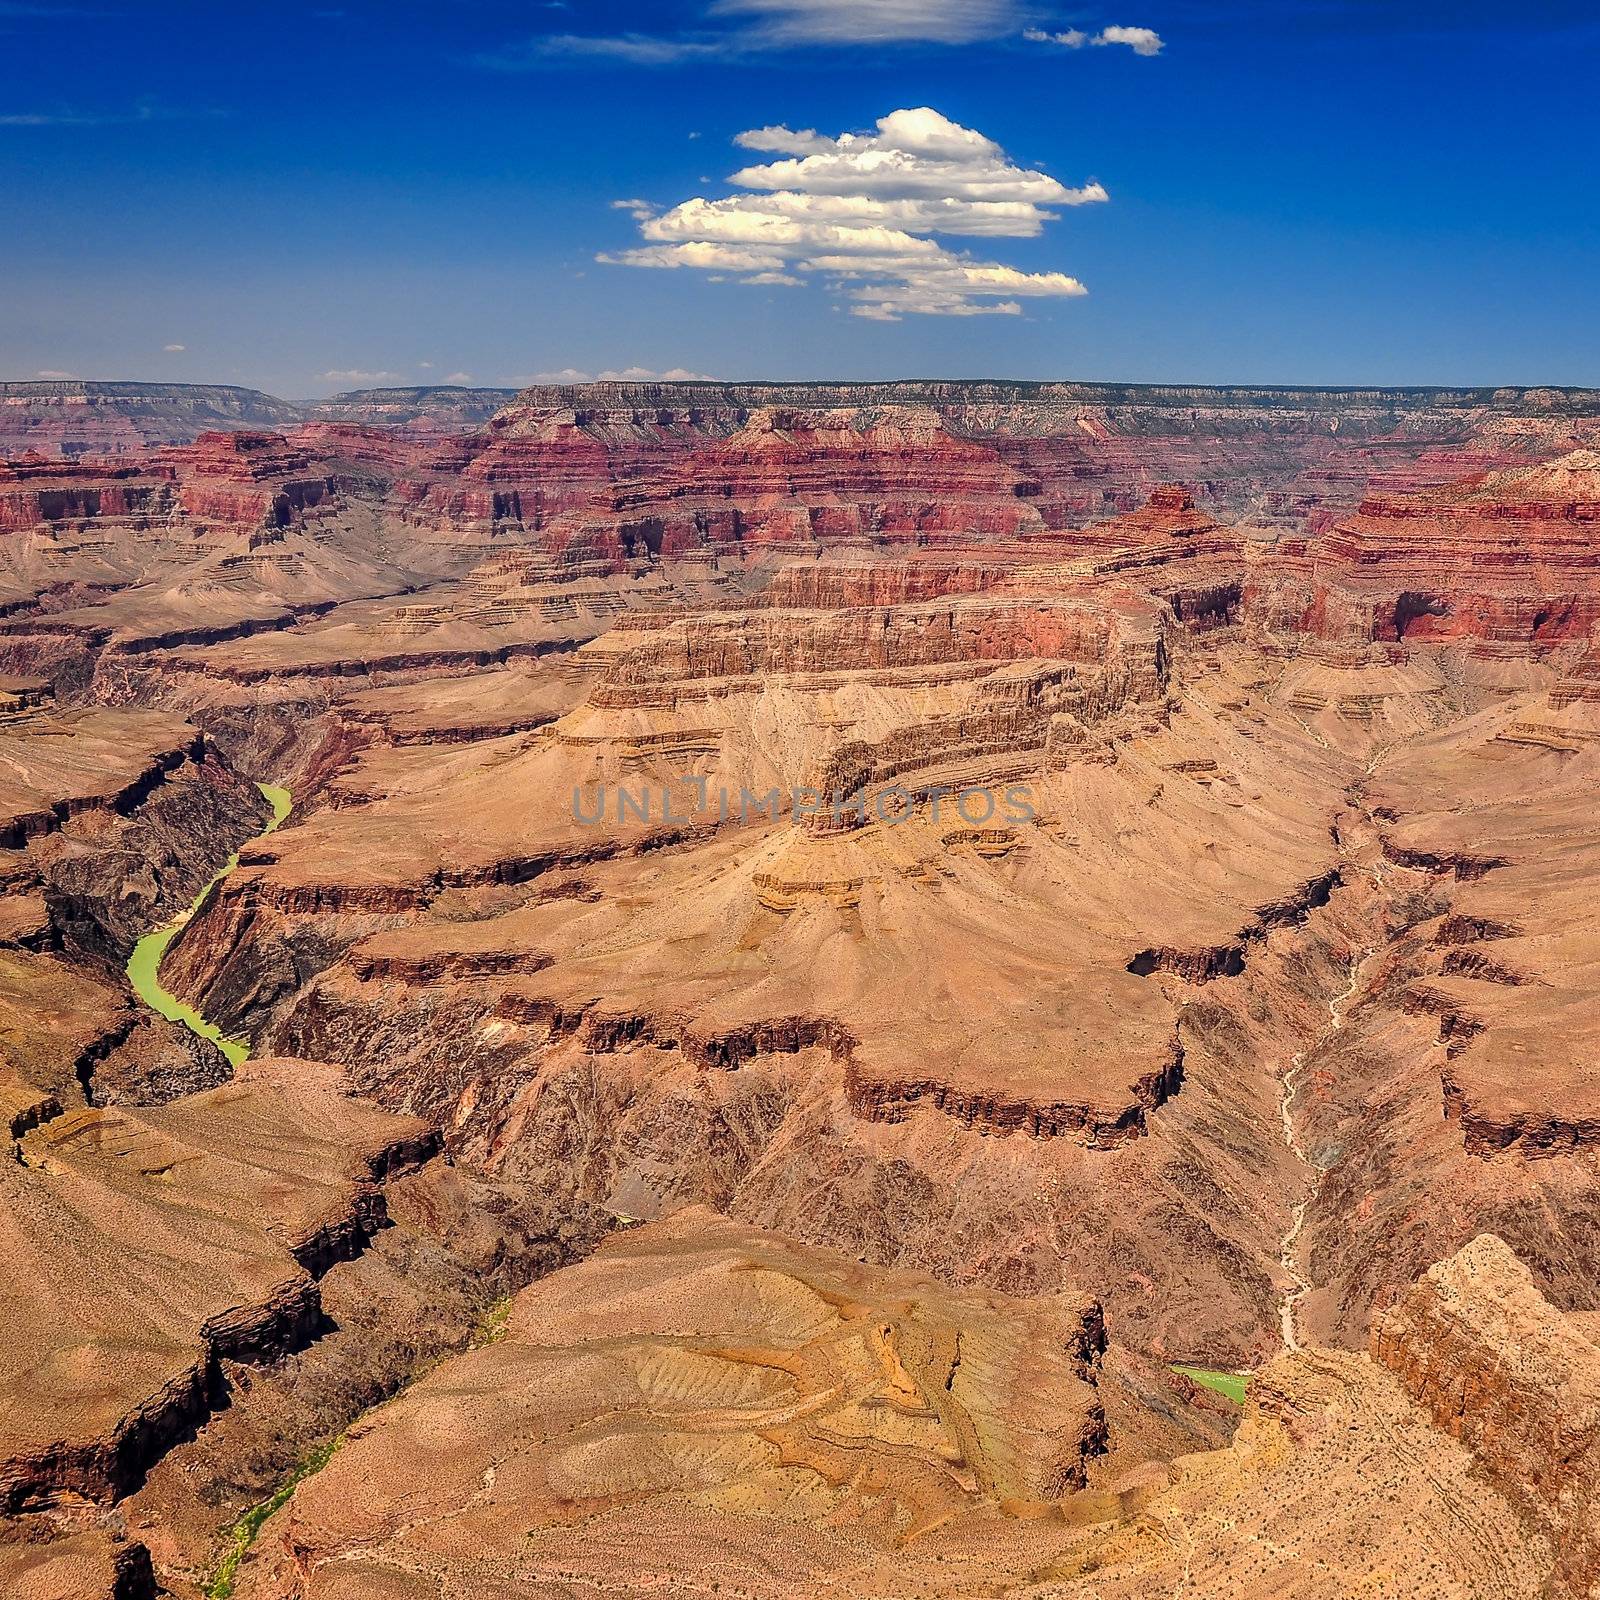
(1506, 557)
(94, 1565)
(118, 817)
(1097, 1127)
(122, 796)
(1498, 1367)
(856, 1382)
(757, 1370)
(1464, 868)
(1534, 1132)
(1229, 960)
(165, 1243)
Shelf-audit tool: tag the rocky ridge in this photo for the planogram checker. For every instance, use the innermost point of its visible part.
(813, 1426)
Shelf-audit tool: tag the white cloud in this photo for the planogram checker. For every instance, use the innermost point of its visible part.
(50, 372)
(783, 141)
(789, 22)
(351, 375)
(70, 117)
(426, 366)
(918, 156)
(565, 375)
(860, 210)
(1142, 41)
(174, 349)
(459, 377)
(701, 253)
(646, 375)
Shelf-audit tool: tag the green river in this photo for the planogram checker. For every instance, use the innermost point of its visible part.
(144, 965)
(1233, 1385)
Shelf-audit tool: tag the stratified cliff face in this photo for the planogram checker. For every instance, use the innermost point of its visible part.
(67, 417)
(72, 418)
(1073, 452)
(1195, 403)
(1498, 1367)
(658, 627)
(946, 852)
(444, 406)
(1519, 547)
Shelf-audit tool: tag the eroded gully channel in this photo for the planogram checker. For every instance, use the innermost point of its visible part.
(1295, 1270)
(1290, 1255)
(144, 965)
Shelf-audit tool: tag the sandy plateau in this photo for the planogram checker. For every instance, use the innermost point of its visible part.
(829, 940)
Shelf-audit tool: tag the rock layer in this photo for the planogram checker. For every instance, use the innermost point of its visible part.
(965, 852)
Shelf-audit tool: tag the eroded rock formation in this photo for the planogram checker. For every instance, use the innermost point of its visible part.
(700, 1398)
(1498, 1367)
(997, 880)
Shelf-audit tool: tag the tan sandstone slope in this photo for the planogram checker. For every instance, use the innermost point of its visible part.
(702, 1409)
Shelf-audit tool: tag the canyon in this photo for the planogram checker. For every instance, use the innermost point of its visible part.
(830, 939)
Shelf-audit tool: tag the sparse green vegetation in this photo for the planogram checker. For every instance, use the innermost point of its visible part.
(1231, 1385)
(492, 1324)
(249, 1525)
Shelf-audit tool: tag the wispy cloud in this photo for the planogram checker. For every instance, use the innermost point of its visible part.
(630, 49)
(735, 29)
(52, 119)
(790, 22)
(1142, 41)
(860, 211)
(26, 8)
(72, 117)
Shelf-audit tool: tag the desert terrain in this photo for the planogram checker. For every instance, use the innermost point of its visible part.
(784, 990)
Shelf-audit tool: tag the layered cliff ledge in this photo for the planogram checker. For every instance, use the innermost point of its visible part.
(1498, 1367)
(159, 1243)
(760, 1379)
(1180, 397)
(811, 1425)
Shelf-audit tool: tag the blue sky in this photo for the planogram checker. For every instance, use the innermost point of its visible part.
(312, 196)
